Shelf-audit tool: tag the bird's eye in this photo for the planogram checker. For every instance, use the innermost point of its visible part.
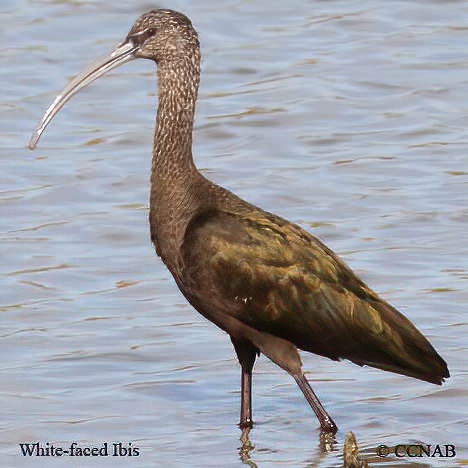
(150, 32)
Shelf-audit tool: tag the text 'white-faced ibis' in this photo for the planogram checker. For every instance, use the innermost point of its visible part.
(266, 282)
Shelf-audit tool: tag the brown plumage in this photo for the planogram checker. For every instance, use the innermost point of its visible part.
(268, 283)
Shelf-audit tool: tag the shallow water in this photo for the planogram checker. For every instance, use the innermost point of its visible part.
(348, 118)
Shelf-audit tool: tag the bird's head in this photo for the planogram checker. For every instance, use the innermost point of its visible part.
(164, 36)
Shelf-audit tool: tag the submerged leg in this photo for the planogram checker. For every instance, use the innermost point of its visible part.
(247, 354)
(326, 422)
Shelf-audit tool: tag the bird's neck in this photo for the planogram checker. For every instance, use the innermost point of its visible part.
(178, 90)
(173, 172)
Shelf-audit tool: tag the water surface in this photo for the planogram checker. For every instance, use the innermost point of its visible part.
(348, 118)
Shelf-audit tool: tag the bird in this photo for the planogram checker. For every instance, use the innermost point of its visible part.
(269, 284)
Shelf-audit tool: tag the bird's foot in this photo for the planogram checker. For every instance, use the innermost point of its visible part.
(246, 423)
(328, 426)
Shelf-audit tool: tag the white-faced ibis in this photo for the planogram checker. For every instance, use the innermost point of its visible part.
(269, 284)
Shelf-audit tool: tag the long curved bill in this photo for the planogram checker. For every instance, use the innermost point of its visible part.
(121, 54)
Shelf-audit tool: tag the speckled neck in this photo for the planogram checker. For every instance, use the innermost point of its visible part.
(178, 90)
(173, 172)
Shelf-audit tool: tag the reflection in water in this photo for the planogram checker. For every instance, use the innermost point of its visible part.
(246, 448)
(352, 458)
(327, 444)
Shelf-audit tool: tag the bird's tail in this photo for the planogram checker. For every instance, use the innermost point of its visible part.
(402, 348)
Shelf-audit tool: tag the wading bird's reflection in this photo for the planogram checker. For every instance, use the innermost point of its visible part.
(327, 444)
(247, 446)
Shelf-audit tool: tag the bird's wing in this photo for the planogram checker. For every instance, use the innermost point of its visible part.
(276, 278)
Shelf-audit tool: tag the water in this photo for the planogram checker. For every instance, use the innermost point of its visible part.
(348, 118)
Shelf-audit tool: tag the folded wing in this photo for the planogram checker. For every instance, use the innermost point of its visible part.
(276, 278)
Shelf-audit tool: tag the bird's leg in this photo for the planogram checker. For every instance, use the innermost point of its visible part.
(246, 392)
(247, 354)
(326, 422)
(246, 398)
